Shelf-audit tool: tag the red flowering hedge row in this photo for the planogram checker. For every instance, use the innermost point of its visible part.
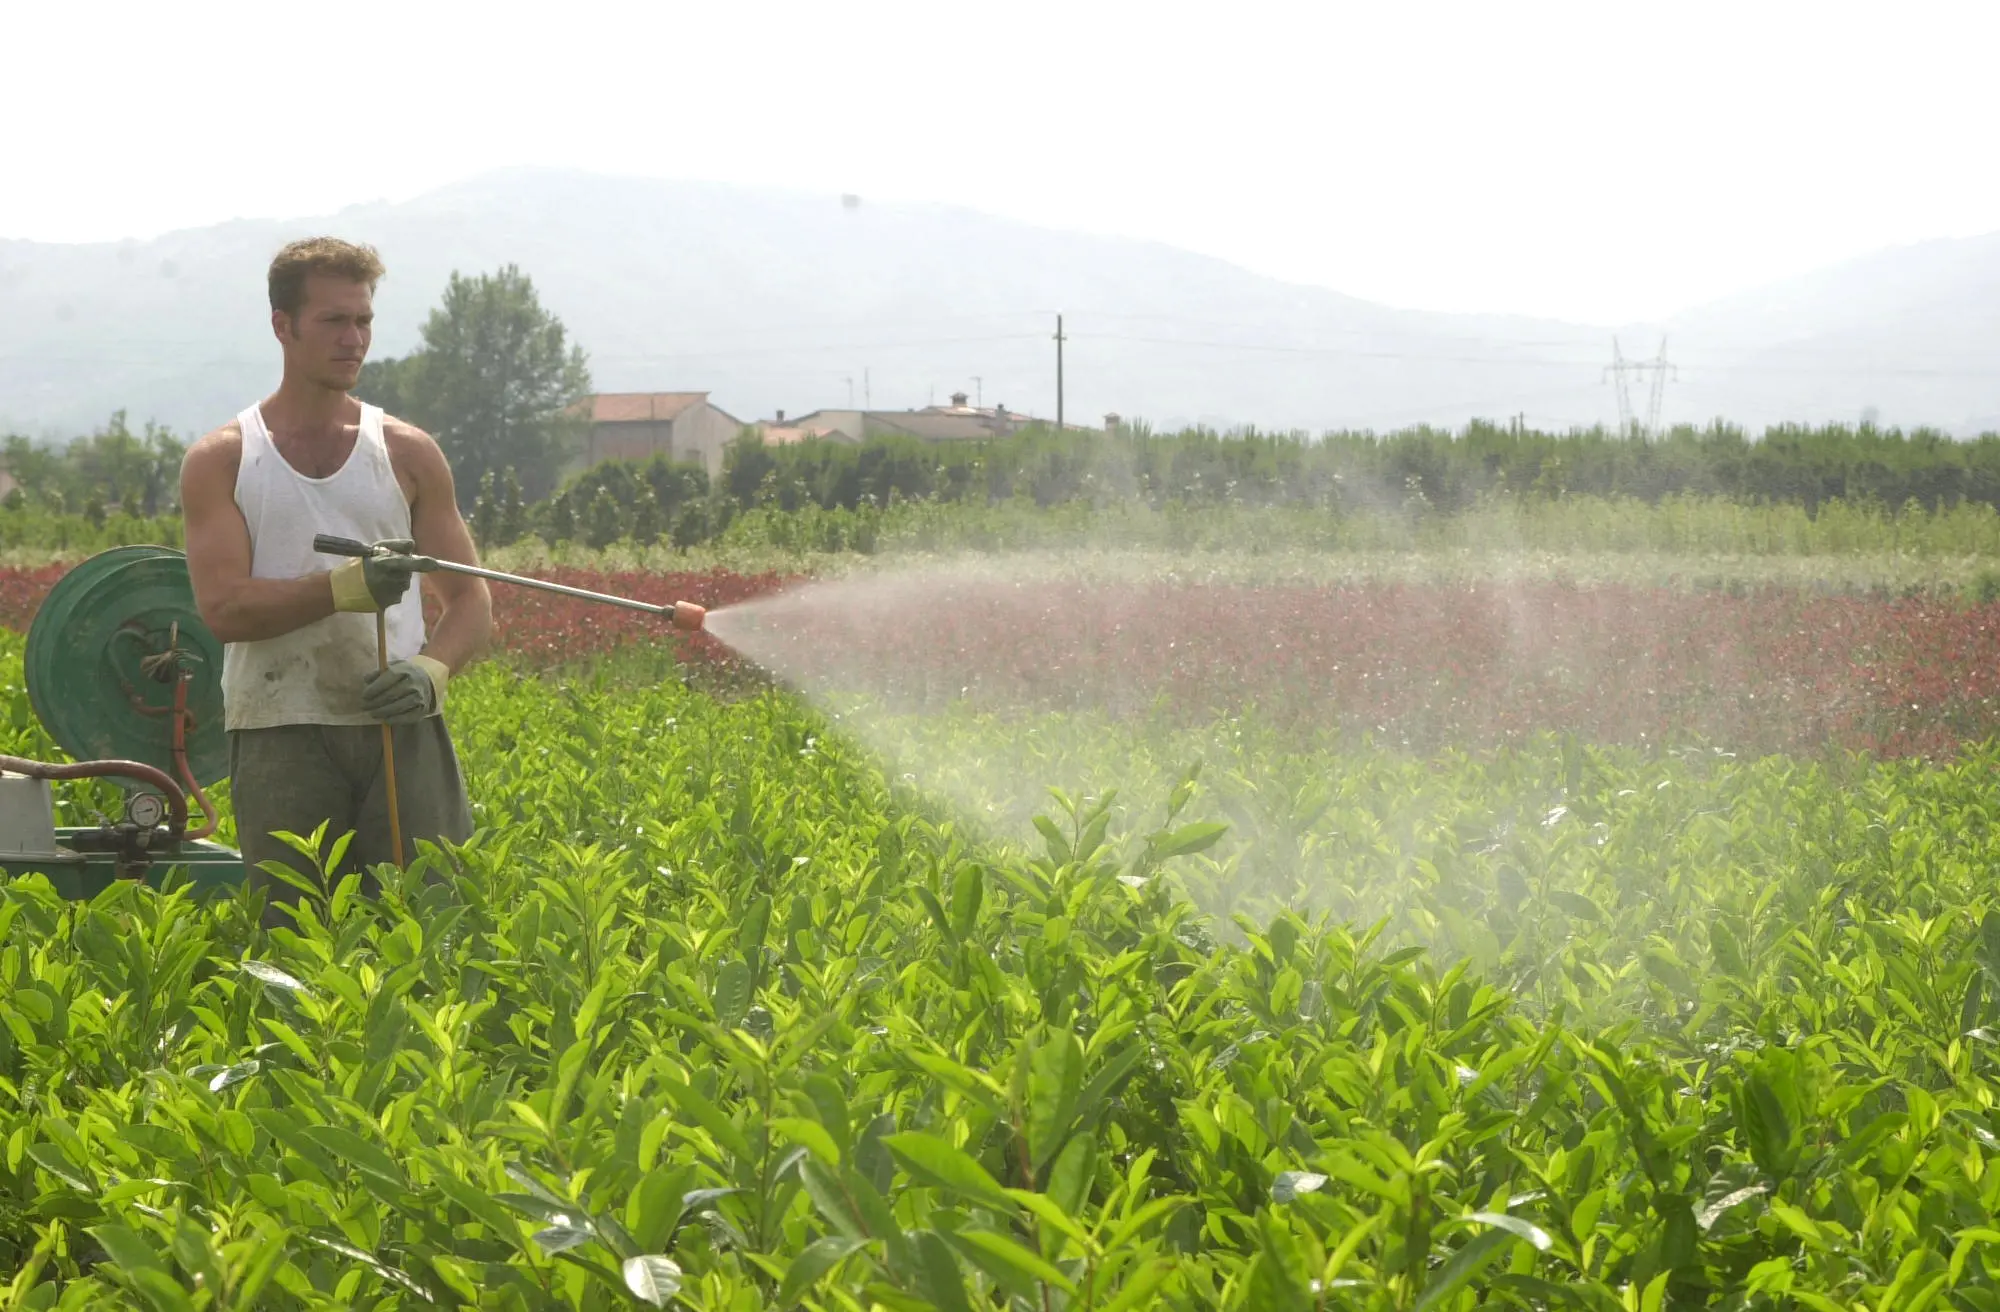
(1771, 670)
(547, 629)
(542, 627)
(1429, 666)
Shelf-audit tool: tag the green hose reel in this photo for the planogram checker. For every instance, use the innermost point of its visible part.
(105, 653)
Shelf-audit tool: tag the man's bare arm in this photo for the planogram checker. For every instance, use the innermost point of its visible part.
(467, 619)
(234, 606)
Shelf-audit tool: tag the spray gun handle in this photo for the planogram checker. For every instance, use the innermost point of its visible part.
(329, 545)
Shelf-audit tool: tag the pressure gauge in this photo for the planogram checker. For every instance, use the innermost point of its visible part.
(146, 809)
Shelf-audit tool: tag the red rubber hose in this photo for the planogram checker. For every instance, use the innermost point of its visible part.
(177, 807)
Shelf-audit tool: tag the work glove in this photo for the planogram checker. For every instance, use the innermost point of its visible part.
(406, 691)
(376, 582)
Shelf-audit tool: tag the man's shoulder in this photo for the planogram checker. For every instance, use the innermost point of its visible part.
(218, 448)
(401, 432)
(410, 447)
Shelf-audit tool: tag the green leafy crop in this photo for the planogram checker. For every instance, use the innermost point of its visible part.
(712, 1014)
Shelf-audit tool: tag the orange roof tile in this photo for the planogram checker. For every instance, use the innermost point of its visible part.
(640, 407)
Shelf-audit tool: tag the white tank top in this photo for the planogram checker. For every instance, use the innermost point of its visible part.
(313, 675)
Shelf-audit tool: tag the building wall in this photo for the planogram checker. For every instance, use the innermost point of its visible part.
(702, 431)
(634, 441)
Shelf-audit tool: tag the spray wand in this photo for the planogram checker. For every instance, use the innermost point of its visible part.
(681, 614)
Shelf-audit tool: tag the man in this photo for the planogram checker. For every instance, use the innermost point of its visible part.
(303, 699)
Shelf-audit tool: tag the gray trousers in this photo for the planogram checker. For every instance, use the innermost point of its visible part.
(295, 777)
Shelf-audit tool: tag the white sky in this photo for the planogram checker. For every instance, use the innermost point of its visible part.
(1596, 161)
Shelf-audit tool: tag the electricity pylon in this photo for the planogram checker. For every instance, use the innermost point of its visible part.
(1620, 368)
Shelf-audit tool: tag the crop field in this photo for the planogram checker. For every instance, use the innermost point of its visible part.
(983, 940)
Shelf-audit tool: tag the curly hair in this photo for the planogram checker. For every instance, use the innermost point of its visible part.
(328, 255)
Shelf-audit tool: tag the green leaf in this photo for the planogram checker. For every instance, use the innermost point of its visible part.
(1989, 943)
(1712, 1212)
(1576, 904)
(1008, 1262)
(809, 1133)
(1466, 1263)
(939, 1277)
(653, 1278)
(271, 977)
(1588, 1296)
(732, 993)
(830, 1105)
(487, 1209)
(53, 1160)
(125, 1247)
(825, 1189)
(372, 1262)
(357, 1152)
(1071, 1177)
(561, 1238)
(968, 889)
(932, 1160)
(1279, 1280)
(1055, 1079)
(1189, 839)
(1288, 1185)
(812, 1262)
(1114, 1069)
(591, 1010)
(1137, 1291)
(541, 1208)
(1052, 837)
(709, 1117)
(1527, 1230)
(756, 925)
(937, 912)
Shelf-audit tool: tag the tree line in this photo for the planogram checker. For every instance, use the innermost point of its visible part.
(494, 378)
(497, 381)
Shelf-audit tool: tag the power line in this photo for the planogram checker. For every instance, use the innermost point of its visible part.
(139, 354)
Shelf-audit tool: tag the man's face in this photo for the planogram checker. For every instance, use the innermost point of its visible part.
(328, 339)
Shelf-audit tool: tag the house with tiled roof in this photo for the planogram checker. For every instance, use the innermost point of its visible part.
(957, 422)
(641, 425)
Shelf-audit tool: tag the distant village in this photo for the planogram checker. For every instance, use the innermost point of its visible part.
(688, 426)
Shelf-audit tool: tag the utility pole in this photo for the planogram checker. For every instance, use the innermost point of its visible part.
(867, 391)
(1059, 371)
(978, 392)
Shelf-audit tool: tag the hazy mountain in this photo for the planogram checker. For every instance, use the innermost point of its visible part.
(777, 300)
(1913, 332)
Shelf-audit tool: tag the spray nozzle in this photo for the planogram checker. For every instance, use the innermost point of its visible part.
(687, 615)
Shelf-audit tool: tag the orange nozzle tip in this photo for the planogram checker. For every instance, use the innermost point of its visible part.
(689, 616)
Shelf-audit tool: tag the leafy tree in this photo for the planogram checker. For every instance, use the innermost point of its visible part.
(513, 508)
(691, 525)
(560, 522)
(675, 482)
(647, 519)
(746, 463)
(604, 520)
(496, 381)
(486, 512)
(139, 472)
